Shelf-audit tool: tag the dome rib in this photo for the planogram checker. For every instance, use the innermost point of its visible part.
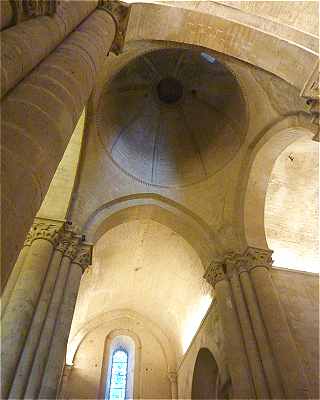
(127, 126)
(193, 139)
(152, 67)
(155, 144)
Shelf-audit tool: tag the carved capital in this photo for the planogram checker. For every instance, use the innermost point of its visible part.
(29, 239)
(215, 272)
(64, 241)
(258, 258)
(233, 262)
(83, 256)
(172, 376)
(46, 230)
(26, 9)
(120, 13)
(311, 92)
(311, 87)
(72, 248)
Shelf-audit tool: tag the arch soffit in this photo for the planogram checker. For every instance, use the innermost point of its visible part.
(159, 209)
(256, 171)
(105, 318)
(150, 22)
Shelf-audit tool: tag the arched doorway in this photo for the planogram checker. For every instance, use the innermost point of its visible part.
(205, 376)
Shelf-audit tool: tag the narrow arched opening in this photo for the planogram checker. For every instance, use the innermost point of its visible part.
(120, 359)
(205, 376)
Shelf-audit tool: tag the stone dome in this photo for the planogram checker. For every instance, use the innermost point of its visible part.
(172, 117)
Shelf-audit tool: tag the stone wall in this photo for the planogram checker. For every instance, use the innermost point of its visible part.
(209, 336)
(84, 380)
(299, 295)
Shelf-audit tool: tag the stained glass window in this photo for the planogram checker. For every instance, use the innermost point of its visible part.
(119, 374)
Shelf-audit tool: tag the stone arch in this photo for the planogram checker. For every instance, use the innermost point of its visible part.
(159, 209)
(205, 376)
(222, 35)
(254, 179)
(158, 334)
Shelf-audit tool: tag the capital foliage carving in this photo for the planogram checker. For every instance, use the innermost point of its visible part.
(120, 13)
(64, 241)
(172, 376)
(215, 273)
(258, 258)
(72, 248)
(311, 91)
(29, 239)
(26, 9)
(47, 230)
(237, 263)
(83, 256)
(311, 87)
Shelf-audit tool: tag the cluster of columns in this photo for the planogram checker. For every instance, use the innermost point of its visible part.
(37, 309)
(262, 357)
(50, 63)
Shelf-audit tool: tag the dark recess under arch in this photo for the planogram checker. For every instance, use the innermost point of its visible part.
(204, 376)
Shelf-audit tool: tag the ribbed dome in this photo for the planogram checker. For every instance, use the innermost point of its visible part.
(172, 117)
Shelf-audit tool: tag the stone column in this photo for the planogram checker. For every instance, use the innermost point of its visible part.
(174, 385)
(282, 343)
(67, 369)
(50, 23)
(41, 313)
(38, 118)
(6, 14)
(238, 364)
(20, 310)
(5, 298)
(234, 263)
(56, 358)
(44, 344)
(267, 359)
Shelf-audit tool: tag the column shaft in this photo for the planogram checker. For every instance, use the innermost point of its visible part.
(7, 292)
(42, 351)
(257, 372)
(56, 358)
(38, 118)
(67, 369)
(234, 345)
(43, 32)
(29, 350)
(267, 359)
(6, 14)
(282, 343)
(20, 310)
